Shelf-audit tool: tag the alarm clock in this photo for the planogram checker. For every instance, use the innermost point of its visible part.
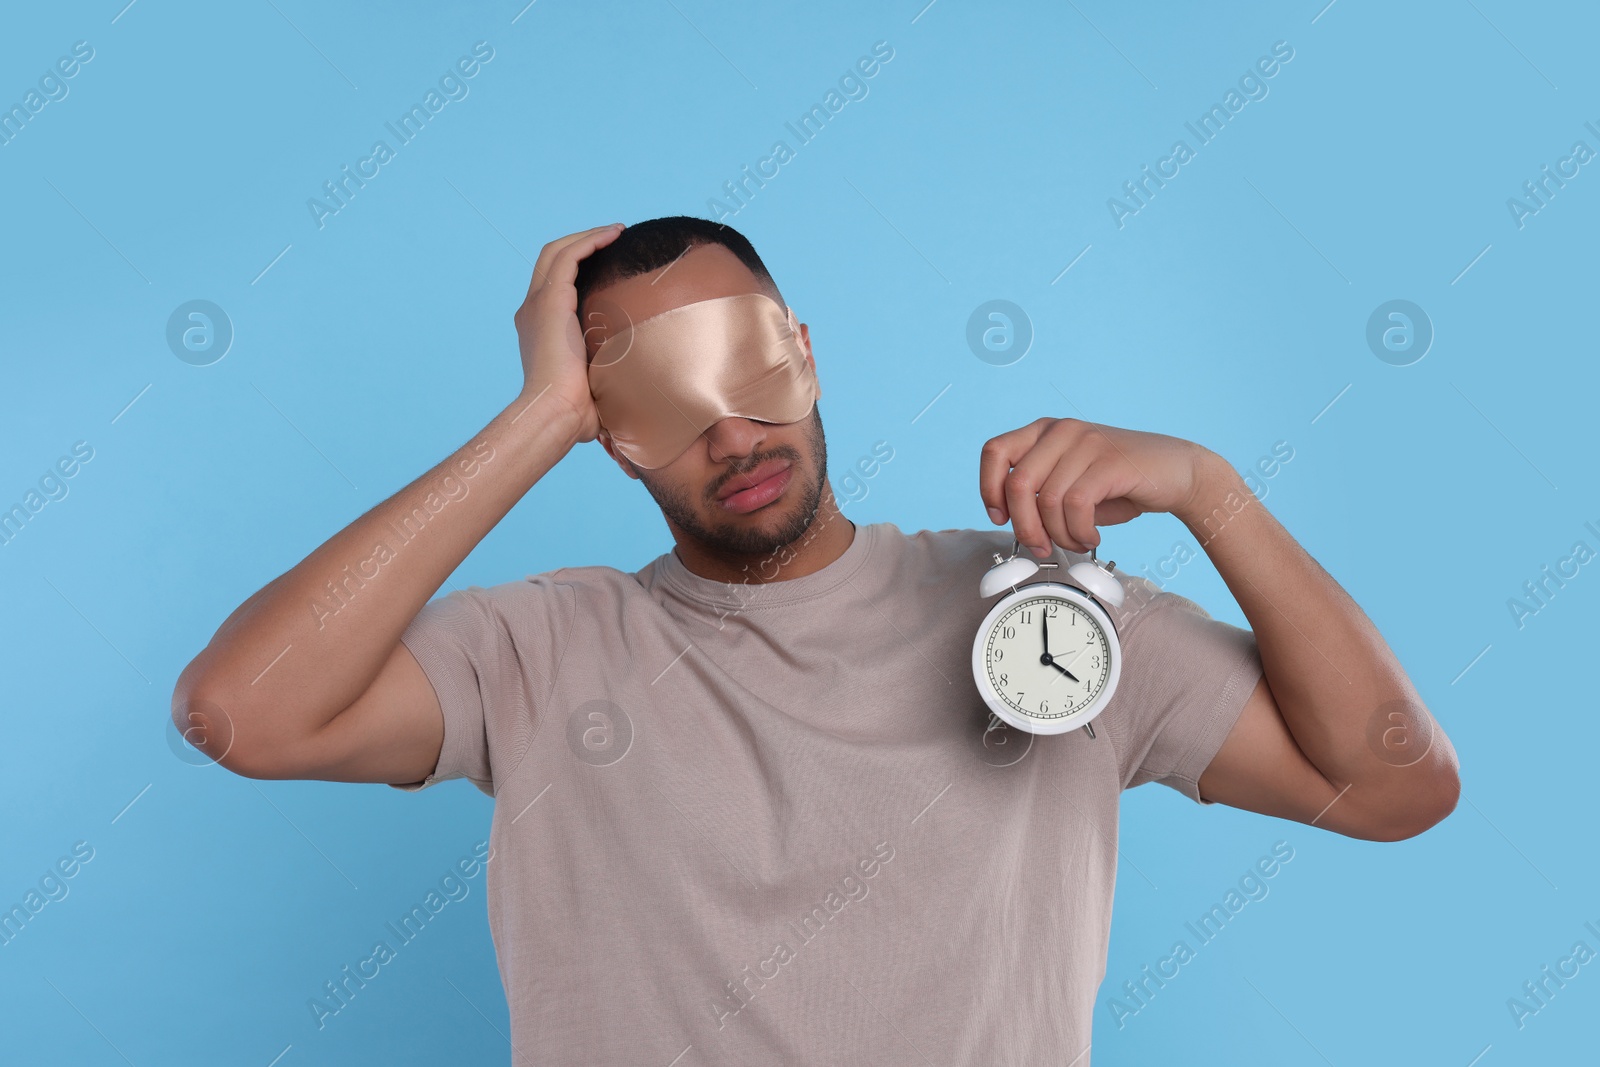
(1046, 657)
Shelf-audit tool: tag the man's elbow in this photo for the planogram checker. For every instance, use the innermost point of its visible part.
(201, 718)
(1420, 808)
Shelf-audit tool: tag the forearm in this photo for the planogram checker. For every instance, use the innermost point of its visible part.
(1331, 672)
(304, 647)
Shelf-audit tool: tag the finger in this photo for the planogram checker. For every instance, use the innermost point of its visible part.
(1022, 506)
(548, 253)
(551, 266)
(1053, 494)
(1061, 446)
(995, 461)
(1115, 511)
(1080, 505)
(1024, 482)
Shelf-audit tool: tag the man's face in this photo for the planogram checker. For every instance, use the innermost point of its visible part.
(744, 487)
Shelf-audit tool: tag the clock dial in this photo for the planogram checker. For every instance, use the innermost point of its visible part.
(1047, 658)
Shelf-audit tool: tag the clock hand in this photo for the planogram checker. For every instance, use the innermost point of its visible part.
(1049, 661)
(1074, 658)
(1044, 617)
(1063, 670)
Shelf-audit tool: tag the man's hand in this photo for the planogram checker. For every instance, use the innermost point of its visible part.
(1058, 479)
(555, 365)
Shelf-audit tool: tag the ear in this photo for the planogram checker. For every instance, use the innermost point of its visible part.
(604, 437)
(803, 334)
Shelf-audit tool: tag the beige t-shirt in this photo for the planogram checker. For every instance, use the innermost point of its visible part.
(767, 823)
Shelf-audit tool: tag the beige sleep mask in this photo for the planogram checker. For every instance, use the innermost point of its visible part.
(659, 383)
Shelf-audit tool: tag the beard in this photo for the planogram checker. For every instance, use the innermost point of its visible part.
(770, 531)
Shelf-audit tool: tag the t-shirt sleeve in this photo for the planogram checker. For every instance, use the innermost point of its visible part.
(1185, 679)
(491, 657)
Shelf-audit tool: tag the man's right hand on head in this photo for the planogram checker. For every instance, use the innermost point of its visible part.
(555, 365)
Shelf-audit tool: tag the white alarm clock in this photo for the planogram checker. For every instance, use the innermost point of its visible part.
(1046, 657)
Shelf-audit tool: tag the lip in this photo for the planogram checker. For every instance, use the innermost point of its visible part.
(759, 488)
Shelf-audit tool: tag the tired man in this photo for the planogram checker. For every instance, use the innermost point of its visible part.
(749, 804)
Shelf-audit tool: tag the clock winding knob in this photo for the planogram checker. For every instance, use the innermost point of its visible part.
(1098, 581)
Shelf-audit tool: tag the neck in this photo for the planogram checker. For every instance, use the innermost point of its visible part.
(824, 541)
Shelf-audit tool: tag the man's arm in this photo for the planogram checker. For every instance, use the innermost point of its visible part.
(308, 677)
(1334, 734)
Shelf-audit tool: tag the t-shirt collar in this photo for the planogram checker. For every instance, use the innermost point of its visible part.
(757, 593)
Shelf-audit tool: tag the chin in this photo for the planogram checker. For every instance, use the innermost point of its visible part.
(770, 528)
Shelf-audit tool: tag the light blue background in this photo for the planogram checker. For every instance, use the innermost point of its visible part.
(1231, 310)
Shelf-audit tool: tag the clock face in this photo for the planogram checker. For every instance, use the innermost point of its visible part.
(1046, 657)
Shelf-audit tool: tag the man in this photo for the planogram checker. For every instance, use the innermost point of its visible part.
(749, 804)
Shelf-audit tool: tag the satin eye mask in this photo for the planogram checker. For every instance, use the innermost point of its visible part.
(659, 383)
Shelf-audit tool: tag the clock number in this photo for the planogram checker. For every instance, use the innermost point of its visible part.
(1052, 610)
(1044, 707)
(1095, 662)
(999, 653)
(1027, 617)
(1005, 679)
(1008, 632)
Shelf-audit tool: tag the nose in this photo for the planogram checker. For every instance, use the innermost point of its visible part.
(734, 438)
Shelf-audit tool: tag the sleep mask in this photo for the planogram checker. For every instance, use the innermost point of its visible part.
(659, 383)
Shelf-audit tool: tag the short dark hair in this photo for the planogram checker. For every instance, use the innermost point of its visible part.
(654, 243)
